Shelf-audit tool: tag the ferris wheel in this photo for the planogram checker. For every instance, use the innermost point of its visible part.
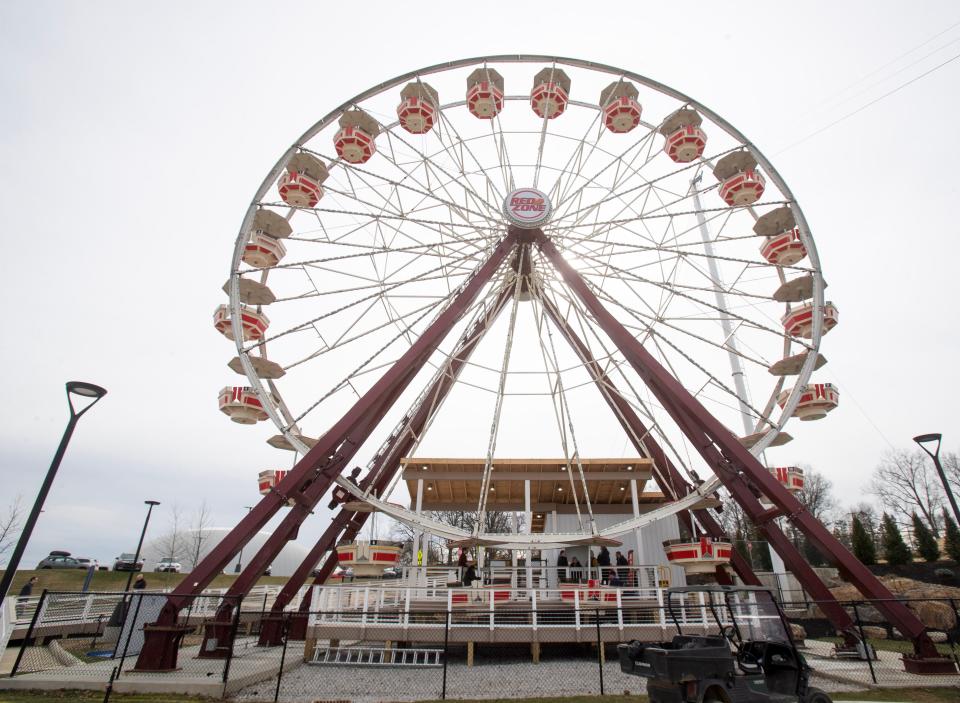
(509, 177)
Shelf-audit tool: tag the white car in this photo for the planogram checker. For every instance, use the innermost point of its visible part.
(167, 565)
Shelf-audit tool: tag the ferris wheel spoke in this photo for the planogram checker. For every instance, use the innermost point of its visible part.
(453, 207)
(468, 190)
(697, 301)
(656, 337)
(500, 146)
(617, 159)
(465, 144)
(343, 340)
(348, 306)
(576, 160)
(647, 183)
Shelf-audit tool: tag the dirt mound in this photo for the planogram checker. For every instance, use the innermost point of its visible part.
(900, 586)
(927, 600)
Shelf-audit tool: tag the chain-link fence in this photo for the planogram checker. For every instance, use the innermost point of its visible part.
(98, 636)
(496, 644)
(552, 652)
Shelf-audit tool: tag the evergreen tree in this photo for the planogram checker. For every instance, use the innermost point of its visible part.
(812, 554)
(951, 542)
(761, 548)
(926, 542)
(863, 547)
(895, 550)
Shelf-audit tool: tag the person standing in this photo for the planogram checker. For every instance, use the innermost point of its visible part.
(623, 571)
(139, 583)
(462, 563)
(562, 566)
(576, 569)
(27, 589)
(603, 561)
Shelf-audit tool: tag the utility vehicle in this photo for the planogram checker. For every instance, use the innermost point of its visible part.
(751, 659)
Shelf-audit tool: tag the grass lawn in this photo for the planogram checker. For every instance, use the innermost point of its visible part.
(72, 580)
(61, 696)
(913, 695)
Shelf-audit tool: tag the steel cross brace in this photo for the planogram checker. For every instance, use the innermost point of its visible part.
(677, 484)
(312, 475)
(382, 471)
(734, 464)
(673, 483)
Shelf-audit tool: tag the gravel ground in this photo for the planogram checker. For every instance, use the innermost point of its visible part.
(501, 680)
(492, 678)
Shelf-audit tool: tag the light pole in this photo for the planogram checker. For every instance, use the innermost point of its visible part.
(77, 389)
(143, 532)
(923, 440)
(239, 567)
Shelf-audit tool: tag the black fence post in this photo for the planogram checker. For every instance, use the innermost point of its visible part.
(109, 688)
(599, 649)
(864, 643)
(446, 644)
(26, 640)
(234, 626)
(96, 633)
(283, 656)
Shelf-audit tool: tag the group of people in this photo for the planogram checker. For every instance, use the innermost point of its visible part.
(573, 570)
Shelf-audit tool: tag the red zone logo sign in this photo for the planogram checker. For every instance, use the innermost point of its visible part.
(527, 207)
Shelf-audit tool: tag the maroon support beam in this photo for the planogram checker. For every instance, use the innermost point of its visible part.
(383, 468)
(668, 478)
(733, 464)
(801, 569)
(312, 475)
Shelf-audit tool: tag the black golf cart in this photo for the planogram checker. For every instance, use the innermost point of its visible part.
(751, 659)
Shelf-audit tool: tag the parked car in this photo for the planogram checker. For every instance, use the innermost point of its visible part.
(167, 565)
(60, 560)
(125, 562)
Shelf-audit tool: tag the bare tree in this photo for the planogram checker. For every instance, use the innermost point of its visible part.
(907, 482)
(495, 521)
(173, 544)
(198, 536)
(10, 524)
(817, 495)
(950, 462)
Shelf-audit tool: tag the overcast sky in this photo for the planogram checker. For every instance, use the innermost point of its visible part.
(132, 137)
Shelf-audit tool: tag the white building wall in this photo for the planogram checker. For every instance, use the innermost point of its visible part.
(652, 537)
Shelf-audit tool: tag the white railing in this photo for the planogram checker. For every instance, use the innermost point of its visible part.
(541, 577)
(82, 608)
(570, 605)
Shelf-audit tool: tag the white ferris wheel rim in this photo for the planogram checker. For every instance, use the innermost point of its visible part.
(285, 427)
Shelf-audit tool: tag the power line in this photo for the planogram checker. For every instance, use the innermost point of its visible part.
(860, 80)
(869, 104)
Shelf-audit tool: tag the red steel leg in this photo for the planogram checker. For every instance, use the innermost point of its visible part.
(311, 477)
(384, 467)
(734, 465)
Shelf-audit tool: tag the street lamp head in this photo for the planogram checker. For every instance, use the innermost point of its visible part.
(81, 389)
(87, 390)
(151, 502)
(922, 439)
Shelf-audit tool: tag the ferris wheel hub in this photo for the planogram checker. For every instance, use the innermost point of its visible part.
(527, 208)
